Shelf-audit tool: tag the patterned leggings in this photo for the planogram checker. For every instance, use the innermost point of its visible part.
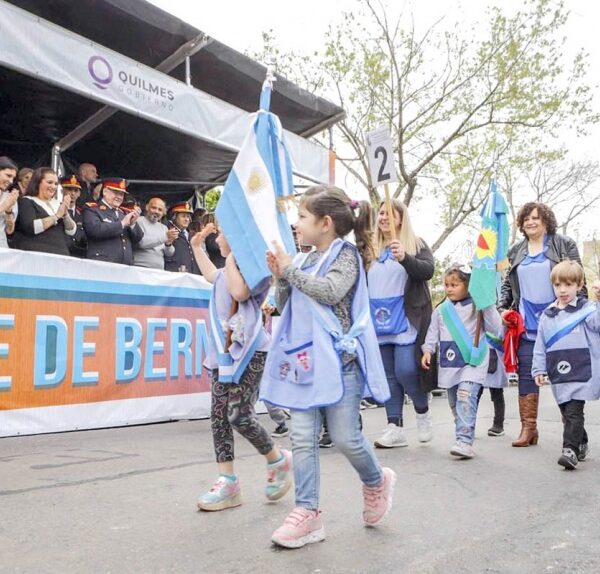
(232, 407)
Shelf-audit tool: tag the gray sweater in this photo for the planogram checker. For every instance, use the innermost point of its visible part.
(150, 251)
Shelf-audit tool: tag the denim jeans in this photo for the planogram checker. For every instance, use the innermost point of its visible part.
(343, 426)
(402, 375)
(463, 399)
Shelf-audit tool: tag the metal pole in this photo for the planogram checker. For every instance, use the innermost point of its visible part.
(188, 71)
(55, 158)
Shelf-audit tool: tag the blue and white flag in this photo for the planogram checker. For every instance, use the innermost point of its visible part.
(248, 210)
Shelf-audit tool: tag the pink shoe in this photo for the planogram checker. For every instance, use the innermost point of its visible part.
(279, 477)
(301, 527)
(378, 499)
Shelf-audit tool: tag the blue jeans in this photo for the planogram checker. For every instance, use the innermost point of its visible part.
(343, 425)
(463, 402)
(402, 375)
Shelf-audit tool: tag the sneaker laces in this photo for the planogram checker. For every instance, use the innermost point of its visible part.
(372, 494)
(217, 485)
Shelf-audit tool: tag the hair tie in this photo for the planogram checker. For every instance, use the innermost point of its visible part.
(353, 204)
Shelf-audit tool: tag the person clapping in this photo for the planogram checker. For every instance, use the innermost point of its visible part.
(43, 219)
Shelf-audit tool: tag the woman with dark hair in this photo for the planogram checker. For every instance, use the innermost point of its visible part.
(8, 199)
(527, 289)
(43, 219)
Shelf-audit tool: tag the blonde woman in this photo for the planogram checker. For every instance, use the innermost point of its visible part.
(401, 311)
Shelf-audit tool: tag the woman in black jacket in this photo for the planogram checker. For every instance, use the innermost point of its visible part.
(401, 311)
(527, 288)
(43, 219)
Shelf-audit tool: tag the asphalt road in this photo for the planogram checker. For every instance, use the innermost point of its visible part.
(123, 500)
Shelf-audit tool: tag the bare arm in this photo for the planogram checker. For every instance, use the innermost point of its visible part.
(236, 285)
(207, 267)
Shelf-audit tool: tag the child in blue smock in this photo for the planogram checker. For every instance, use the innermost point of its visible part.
(567, 354)
(463, 367)
(324, 356)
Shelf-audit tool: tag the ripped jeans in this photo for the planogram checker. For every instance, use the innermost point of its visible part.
(463, 402)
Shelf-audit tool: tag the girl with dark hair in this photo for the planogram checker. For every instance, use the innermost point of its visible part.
(324, 356)
(44, 220)
(401, 310)
(527, 289)
(8, 199)
(463, 362)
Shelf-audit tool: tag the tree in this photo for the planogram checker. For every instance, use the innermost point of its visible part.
(453, 99)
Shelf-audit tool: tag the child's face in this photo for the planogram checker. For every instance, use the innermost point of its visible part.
(565, 291)
(456, 290)
(308, 227)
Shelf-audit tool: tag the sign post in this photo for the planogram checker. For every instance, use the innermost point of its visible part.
(380, 152)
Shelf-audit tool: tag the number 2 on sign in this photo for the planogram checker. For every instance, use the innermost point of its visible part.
(381, 174)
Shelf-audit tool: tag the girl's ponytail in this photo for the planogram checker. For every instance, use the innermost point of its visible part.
(363, 232)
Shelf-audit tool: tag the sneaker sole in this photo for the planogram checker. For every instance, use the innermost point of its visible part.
(389, 506)
(280, 435)
(428, 438)
(461, 455)
(383, 445)
(231, 502)
(491, 433)
(315, 536)
(567, 464)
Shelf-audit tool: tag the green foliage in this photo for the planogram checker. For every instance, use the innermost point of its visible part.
(458, 102)
(211, 198)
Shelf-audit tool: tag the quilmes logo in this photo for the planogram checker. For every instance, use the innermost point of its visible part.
(130, 83)
(100, 71)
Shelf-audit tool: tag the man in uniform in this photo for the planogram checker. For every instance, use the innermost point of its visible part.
(77, 243)
(109, 230)
(183, 259)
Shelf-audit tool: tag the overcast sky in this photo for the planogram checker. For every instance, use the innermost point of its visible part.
(300, 26)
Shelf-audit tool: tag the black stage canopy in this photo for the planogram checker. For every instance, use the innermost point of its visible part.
(35, 115)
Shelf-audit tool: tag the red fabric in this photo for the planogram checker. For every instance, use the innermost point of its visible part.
(512, 336)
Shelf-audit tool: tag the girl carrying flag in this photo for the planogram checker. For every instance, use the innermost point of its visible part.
(463, 366)
(237, 352)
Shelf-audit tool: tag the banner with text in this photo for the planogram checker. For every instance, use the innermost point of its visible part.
(86, 344)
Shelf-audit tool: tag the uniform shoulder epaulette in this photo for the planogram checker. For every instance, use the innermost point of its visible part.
(91, 204)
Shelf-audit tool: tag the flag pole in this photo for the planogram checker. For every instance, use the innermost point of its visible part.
(390, 211)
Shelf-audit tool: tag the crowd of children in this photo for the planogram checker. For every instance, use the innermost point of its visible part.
(356, 320)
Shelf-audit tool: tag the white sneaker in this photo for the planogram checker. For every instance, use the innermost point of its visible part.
(462, 450)
(393, 436)
(424, 427)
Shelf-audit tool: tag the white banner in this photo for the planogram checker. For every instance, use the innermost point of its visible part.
(87, 344)
(57, 56)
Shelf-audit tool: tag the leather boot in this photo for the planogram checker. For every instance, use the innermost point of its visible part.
(528, 409)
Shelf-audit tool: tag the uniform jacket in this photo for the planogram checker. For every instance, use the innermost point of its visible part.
(183, 256)
(108, 240)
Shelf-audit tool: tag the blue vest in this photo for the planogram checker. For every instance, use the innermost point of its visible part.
(572, 351)
(304, 368)
(536, 290)
(387, 281)
(248, 333)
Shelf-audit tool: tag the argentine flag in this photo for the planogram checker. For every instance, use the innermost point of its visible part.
(247, 211)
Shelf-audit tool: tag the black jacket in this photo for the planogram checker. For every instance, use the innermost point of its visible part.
(108, 240)
(560, 248)
(77, 243)
(183, 255)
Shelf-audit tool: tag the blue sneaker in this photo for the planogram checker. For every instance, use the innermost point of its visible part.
(279, 477)
(225, 493)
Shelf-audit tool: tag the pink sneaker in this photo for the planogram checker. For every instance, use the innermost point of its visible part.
(302, 526)
(279, 477)
(378, 499)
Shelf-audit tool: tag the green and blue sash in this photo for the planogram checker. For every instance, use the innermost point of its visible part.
(471, 354)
